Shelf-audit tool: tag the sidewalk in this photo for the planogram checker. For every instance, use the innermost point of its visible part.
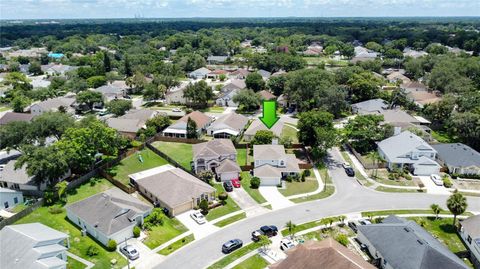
(321, 185)
(75, 257)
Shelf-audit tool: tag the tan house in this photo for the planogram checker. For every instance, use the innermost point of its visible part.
(396, 76)
(219, 156)
(272, 164)
(228, 125)
(258, 125)
(130, 123)
(172, 188)
(179, 128)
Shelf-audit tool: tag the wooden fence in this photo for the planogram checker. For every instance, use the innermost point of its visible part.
(365, 164)
(21, 214)
(159, 137)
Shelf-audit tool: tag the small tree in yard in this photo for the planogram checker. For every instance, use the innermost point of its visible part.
(223, 196)
(204, 207)
(111, 245)
(342, 218)
(263, 137)
(136, 231)
(264, 241)
(255, 183)
(342, 239)
(291, 228)
(191, 129)
(92, 251)
(457, 204)
(436, 210)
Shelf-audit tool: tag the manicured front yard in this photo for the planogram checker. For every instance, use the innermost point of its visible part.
(254, 262)
(405, 211)
(163, 233)
(382, 177)
(289, 131)
(298, 187)
(231, 220)
(254, 193)
(74, 264)
(177, 244)
(180, 152)
(223, 210)
(443, 230)
(132, 164)
(329, 190)
(386, 189)
(308, 225)
(242, 156)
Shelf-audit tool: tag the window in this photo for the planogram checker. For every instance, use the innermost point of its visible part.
(15, 200)
(16, 186)
(469, 239)
(5, 204)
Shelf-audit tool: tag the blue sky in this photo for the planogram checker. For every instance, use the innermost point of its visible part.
(55, 9)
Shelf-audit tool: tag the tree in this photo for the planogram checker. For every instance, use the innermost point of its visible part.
(198, 94)
(364, 131)
(137, 82)
(376, 158)
(158, 122)
(264, 241)
(374, 46)
(263, 137)
(19, 103)
(457, 204)
(255, 82)
(168, 81)
(255, 183)
(89, 98)
(203, 207)
(111, 245)
(364, 86)
(51, 124)
(277, 84)
(119, 107)
(436, 209)
(96, 81)
(14, 134)
(191, 129)
(316, 130)
(341, 218)
(19, 82)
(127, 68)
(291, 228)
(107, 65)
(136, 231)
(223, 196)
(247, 100)
(342, 239)
(154, 92)
(76, 85)
(61, 188)
(35, 68)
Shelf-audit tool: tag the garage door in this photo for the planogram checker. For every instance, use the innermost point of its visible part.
(268, 181)
(425, 170)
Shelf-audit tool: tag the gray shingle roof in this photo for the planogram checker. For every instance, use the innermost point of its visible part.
(406, 245)
(258, 125)
(125, 125)
(227, 166)
(372, 105)
(399, 145)
(268, 152)
(19, 176)
(458, 154)
(472, 227)
(213, 148)
(14, 116)
(231, 121)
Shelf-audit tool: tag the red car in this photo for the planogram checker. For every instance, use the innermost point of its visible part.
(236, 183)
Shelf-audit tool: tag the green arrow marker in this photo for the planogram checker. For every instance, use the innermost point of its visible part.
(269, 117)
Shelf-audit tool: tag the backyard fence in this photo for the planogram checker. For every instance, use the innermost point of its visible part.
(159, 137)
(21, 214)
(366, 165)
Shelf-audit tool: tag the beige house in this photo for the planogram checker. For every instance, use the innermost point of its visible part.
(258, 125)
(172, 188)
(219, 156)
(179, 128)
(228, 125)
(272, 164)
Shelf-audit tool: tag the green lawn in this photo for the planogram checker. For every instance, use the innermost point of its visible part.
(177, 244)
(231, 220)
(405, 211)
(92, 187)
(386, 189)
(254, 193)
(161, 234)
(228, 259)
(289, 131)
(242, 156)
(329, 190)
(214, 109)
(308, 225)
(132, 164)
(254, 262)
(4, 108)
(180, 152)
(223, 210)
(74, 264)
(295, 187)
(443, 137)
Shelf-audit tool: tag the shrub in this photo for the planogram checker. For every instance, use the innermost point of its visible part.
(223, 196)
(111, 245)
(136, 231)
(303, 177)
(408, 177)
(289, 179)
(447, 182)
(56, 209)
(157, 217)
(342, 239)
(307, 172)
(255, 183)
(204, 207)
(92, 251)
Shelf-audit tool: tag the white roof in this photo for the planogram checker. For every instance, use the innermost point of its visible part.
(151, 172)
(228, 131)
(422, 119)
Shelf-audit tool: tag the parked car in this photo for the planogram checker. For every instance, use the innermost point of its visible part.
(286, 244)
(346, 165)
(228, 186)
(232, 245)
(130, 251)
(198, 217)
(176, 109)
(353, 225)
(236, 183)
(269, 231)
(350, 172)
(364, 222)
(362, 245)
(436, 179)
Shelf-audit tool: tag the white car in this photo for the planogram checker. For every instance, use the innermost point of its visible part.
(286, 244)
(198, 217)
(176, 109)
(346, 165)
(436, 179)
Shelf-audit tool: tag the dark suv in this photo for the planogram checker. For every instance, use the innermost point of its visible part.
(232, 245)
(228, 186)
(264, 230)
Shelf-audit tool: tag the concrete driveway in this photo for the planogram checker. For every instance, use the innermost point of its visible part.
(431, 187)
(145, 252)
(198, 230)
(274, 197)
(246, 202)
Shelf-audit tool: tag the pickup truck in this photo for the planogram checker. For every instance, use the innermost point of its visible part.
(269, 231)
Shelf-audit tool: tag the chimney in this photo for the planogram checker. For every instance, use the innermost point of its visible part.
(275, 141)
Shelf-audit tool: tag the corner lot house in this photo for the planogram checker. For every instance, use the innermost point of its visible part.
(53, 104)
(111, 214)
(470, 233)
(397, 243)
(179, 129)
(172, 188)
(408, 150)
(218, 156)
(458, 158)
(258, 125)
(327, 253)
(10, 198)
(272, 164)
(228, 125)
(33, 246)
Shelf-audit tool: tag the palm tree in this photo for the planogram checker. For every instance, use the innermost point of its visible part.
(291, 228)
(436, 210)
(376, 158)
(342, 218)
(457, 204)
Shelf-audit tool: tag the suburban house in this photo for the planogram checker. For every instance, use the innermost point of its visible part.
(14, 116)
(397, 243)
(18, 179)
(216, 59)
(258, 125)
(215, 74)
(458, 158)
(109, 215)
(225, 98)
(396, 76)
(54, 104)
(33, 246)
(408, 52)
(470, 234)
(29, 53)
(327, 253)
(179, 128)
(408, 150)
(272, 164)
(227, 126)
(369, 106)
(413, 86)
(363, 54)
(266, 95)
(218, 156)
(175, 95)
(10, 198)
(422, 98)
(172, 188)
(39, 82)
(199, 73)
(265, 74)
(130, 123)
(57, 69)
(111, 92)
(239, 74)
(313, 50)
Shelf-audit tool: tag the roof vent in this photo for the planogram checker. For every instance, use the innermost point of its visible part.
(407, 229)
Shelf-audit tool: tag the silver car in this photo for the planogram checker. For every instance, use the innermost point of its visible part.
(130, 251)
